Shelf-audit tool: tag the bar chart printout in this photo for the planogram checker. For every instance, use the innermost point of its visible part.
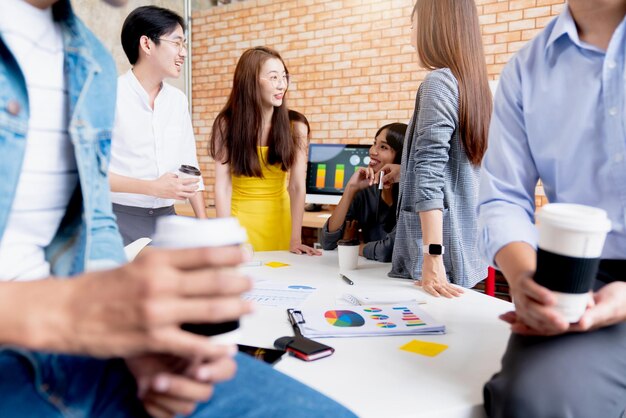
(339, 175)
(320, 178)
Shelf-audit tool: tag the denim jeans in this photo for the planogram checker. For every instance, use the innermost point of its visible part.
(60, 386)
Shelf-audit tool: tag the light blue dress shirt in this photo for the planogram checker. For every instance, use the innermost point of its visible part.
(559, 115)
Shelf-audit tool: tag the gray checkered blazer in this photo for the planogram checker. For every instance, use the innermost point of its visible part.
(436, 174)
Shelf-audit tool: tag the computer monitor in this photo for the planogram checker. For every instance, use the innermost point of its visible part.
(329, 168)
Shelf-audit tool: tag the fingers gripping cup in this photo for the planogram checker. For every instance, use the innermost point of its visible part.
(189, 171)
(348, 252)
(571, 238)
(186, 232)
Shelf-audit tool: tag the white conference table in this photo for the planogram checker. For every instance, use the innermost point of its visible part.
(371, 375)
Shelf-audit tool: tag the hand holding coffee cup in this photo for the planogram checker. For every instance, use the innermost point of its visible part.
(187, 232)
(171, 186)
(189, 171)
(571, 238)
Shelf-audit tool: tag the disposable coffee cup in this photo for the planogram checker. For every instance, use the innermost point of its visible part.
(571, 238)
(348, 251)
(189, 171)
(187, 232)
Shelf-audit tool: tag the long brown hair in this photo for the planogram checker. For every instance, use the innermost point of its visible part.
(240, 122)
(448, 36)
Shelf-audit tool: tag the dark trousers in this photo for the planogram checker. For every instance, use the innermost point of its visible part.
(571, 375)
(135, 222)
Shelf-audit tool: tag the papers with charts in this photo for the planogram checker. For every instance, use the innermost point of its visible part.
(369, 320)
(282, 295)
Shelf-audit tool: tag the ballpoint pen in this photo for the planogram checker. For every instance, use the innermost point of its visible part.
(295, 322)
(346, 279)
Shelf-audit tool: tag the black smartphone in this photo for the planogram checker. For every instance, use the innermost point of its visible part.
(268, 355)
(308, 350)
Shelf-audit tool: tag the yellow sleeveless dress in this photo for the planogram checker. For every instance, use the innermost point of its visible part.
(262, 206)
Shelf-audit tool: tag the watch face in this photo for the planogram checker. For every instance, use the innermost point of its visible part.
(435, 249)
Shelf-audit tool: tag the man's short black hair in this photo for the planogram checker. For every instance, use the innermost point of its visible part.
(151, 21)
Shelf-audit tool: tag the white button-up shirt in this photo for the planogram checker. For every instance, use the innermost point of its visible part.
(148, 143)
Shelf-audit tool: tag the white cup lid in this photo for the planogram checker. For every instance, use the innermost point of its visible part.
(188, 232)
(574, 217)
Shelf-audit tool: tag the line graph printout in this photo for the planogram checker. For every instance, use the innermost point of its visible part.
(281, 295)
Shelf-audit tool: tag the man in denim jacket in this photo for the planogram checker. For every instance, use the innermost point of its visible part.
(133, 312)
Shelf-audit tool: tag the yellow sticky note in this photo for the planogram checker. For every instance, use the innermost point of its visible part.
(424, 348)
(276, 264)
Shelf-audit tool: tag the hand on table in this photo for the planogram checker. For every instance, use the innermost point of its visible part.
(139, 307)
(434, 280)
(170, 385)
(300, 248)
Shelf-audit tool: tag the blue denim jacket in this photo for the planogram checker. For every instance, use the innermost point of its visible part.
(88, 236)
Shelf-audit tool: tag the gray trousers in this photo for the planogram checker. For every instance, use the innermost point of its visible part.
(572, 375)
(135, 222)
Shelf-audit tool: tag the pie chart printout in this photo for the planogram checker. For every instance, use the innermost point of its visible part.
(341, 318)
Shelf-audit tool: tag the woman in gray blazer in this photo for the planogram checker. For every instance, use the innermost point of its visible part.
(436, 233)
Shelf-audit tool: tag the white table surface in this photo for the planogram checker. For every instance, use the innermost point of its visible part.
(371, 375)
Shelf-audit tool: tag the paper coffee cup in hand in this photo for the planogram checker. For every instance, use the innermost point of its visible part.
(348, 253)
(187, 232)
(189, 171)
(571, 238)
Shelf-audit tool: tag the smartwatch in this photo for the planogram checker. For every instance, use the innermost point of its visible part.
(434, 249)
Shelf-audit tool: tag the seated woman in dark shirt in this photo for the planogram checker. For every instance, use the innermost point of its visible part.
(363, 206)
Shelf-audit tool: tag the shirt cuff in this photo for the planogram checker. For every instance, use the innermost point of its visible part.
(502, 226)
(369, 251)
(329, 239)
(426, 205)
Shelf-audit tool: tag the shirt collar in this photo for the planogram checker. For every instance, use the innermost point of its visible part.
(137, 87)
(143, 94)
(565, 25)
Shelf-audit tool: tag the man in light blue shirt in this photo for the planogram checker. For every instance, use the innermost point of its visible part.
(559, 115)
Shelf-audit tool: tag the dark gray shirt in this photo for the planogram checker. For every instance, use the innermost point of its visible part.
(377, 222)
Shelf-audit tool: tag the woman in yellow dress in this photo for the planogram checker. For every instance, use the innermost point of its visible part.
(254, 149)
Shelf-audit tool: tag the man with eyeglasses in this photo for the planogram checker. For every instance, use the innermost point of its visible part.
(153, 135)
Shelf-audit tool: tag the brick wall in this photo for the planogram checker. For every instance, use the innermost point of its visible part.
(352, 65)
